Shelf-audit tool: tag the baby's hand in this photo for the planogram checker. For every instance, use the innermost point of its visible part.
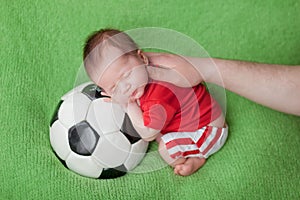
(106, 98)
(129, 105)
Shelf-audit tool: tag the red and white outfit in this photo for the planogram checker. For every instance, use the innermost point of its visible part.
(182, 115)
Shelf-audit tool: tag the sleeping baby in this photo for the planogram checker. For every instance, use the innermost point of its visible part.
(188, 123)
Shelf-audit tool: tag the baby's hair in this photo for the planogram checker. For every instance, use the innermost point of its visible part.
(98, 41)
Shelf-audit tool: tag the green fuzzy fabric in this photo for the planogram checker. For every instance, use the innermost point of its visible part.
(41, 52)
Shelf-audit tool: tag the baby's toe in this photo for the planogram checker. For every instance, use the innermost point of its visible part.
(185, 170)
(177, 169)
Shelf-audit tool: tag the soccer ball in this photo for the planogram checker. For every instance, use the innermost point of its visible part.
(93, 137)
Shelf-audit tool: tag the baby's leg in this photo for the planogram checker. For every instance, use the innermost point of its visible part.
(182, 166)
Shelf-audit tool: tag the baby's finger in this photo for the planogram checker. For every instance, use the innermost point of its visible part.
(106, 97)
(104, 94)
(107, 100)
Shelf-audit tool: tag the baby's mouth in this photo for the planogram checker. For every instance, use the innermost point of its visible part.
(134, 93)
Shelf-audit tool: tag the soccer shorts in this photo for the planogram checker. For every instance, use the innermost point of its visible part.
(201, 143)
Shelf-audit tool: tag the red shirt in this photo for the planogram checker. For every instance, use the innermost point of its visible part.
(169, 108)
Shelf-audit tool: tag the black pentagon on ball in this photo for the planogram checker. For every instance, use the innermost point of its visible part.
(83, 138)
(108, 173)
(129, 131)
(93, 92)
(55, 114)
(113, 172)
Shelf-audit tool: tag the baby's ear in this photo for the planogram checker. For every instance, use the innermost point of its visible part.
(143, 56)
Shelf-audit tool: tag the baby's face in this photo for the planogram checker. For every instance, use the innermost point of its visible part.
(125, 79)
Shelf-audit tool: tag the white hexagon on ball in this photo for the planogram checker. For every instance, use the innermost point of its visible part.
(105, 117)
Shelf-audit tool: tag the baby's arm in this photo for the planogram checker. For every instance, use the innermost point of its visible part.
(136, 116)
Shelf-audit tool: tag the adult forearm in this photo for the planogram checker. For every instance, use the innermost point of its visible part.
(275, 86)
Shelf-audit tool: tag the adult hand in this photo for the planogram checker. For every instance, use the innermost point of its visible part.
(176, 69)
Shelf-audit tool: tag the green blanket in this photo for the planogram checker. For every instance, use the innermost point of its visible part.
(41, 52)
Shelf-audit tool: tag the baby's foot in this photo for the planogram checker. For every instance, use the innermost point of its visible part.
(190, 166)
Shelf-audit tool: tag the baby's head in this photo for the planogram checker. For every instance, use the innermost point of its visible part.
(115, 63)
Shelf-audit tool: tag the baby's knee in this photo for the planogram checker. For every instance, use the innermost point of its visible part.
(162, 149)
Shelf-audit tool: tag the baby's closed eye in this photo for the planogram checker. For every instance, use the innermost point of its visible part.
(127, 74)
